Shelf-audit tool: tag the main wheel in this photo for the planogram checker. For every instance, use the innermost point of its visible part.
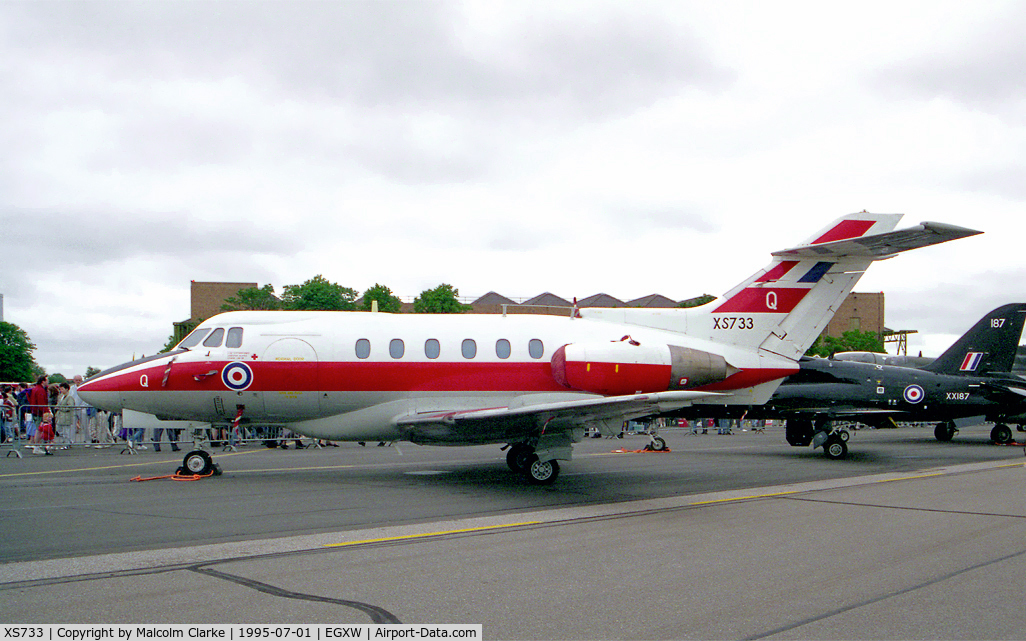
(658, 443)
(835, 448)
(198, 462)
(945, 431)
(844, 435)
(1001, 434)
(517, 457)
(541, 472)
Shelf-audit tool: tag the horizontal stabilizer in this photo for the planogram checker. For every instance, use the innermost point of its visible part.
(879, 246)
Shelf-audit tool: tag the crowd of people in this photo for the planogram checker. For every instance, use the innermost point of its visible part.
(51, 413)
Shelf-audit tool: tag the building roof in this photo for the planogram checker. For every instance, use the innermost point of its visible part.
(652, 300)
(548, 299)
(491, 298)
(601, 300)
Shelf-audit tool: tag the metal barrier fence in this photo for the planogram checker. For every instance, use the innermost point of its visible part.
(87, 427)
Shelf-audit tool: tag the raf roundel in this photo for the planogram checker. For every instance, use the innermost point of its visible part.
(237, 376)
(914, 394)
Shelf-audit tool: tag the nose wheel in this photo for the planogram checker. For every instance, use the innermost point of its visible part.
(199, 462)
(835, 447)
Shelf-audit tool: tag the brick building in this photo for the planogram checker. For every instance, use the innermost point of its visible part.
(861, 311)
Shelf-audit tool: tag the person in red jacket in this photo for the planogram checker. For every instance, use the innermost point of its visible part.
(39, 399)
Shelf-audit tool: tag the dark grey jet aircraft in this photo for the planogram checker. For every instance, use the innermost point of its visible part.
(969, 382)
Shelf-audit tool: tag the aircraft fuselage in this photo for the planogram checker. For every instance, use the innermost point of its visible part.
(349, 375)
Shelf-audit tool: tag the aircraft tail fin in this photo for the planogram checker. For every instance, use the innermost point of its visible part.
(988, 347)
(784, 307)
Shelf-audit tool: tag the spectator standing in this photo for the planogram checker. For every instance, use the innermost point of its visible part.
(21, 409)
(39, 399)
(7, 406)
(172, 437)
(44, 432)
(65, 414)
(82, 417)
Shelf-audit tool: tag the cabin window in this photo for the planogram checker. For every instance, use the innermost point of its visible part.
(396, 348)
(469, 348)
(431, 348)
(536, 348)
(362, 348)
(502, 349)
(234, 337)
(193, 339)
(215, 338)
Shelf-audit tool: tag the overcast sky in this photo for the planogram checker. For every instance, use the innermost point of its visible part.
(620, 147)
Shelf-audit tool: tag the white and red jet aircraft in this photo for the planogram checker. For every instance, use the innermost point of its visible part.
(530, 381)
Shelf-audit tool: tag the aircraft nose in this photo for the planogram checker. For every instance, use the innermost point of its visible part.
(102, 393)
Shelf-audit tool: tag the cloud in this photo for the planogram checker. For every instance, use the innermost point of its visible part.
(985, 69)
(372, 54)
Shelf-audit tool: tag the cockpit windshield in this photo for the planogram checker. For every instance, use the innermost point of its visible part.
(193, 339)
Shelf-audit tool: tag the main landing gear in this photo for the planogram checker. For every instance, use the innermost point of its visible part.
(521, 458)
(1001, 434)
(945, 431)
(801, 432)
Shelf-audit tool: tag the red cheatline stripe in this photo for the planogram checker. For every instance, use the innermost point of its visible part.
(384, 377)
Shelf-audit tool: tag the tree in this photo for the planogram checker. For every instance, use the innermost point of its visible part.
(440, 300)
(91, 371)
(697, 301)
(850, 341)
(182, 330)
(319, 294)
(258, 298)
(387, 301)
(16, 361)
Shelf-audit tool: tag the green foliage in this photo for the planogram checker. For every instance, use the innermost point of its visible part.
(256, 298)
(58, 378)
(91, 371)
(698, 301)
(16, 361)
(851, 341)
(387, 301)
(182, 330)
(440, 300)
(319, 294)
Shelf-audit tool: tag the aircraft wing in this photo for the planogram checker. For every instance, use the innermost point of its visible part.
(513, 422)
(1006, 391)
(882, 245)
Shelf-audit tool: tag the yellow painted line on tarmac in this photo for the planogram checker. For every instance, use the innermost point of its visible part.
(430, 534)
(745, 498)
(295, 469)
(109, 467)
(912, 478)
(82, 469)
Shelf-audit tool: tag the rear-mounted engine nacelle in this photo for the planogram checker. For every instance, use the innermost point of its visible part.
(626, 367)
